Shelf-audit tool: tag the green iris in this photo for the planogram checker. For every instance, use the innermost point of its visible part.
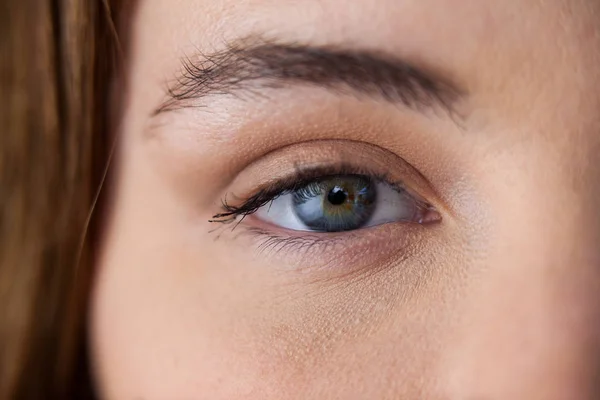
(336, 204)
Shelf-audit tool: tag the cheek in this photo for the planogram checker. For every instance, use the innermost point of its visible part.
(163, 326)
(166, 326)
(177, 314)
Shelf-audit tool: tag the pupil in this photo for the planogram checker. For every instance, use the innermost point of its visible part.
(336, 204)
(337, 196)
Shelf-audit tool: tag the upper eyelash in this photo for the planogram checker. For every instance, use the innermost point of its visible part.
(301, 179)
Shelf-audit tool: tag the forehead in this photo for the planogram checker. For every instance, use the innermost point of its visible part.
(461, 28)
(494, 48)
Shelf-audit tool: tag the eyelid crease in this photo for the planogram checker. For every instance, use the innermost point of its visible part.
(291, 166)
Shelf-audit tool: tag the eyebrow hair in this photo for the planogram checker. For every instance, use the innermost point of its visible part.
(244, 65)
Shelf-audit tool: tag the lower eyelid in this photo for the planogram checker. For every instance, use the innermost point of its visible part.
(339, 252)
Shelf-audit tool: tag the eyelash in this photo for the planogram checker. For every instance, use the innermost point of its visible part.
(297, 181)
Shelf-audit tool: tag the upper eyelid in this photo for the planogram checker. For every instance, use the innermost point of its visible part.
(314, 158)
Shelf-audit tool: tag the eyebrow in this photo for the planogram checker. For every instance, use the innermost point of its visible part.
(246, 66)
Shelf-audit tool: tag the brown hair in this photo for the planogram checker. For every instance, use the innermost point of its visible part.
(57, 58)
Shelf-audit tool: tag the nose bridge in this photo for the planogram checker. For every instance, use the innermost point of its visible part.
(532, 318)
(549, 248)
(561, 294)
(532, 329)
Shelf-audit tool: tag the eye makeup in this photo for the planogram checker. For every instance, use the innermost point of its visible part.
(297, 169)
(331, 183)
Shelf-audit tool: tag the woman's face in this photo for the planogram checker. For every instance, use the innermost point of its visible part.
(366, 199)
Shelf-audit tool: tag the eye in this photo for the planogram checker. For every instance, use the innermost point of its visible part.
(343, 203)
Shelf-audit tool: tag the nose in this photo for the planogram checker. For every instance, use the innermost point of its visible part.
(531, 322)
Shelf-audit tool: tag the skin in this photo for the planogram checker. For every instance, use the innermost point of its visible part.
(499, 300)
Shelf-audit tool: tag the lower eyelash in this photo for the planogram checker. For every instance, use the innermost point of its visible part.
(272, 243)
(344, 253)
